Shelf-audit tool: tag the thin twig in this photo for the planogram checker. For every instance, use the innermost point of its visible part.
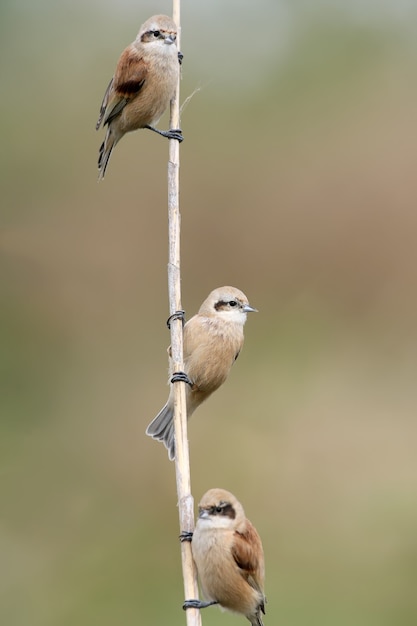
(182, 461)
(188, 99)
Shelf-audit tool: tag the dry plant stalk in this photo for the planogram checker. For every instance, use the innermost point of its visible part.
(182, 461)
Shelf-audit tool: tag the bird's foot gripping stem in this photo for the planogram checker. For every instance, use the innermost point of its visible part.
(181, 377)
(178, 315)
(172, 133)
(197, 604)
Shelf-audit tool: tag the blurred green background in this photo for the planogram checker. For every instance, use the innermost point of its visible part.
(298, 185)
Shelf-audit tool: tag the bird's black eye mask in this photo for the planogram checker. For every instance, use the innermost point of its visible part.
(223, 508)
(221, 305)
(152, 35)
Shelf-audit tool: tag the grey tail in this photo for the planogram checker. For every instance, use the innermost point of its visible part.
(256, 619)
(105, 151)
(162, 429)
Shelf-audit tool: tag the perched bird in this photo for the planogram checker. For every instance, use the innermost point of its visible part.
(229, 557)
(212, 341)
(142, 87)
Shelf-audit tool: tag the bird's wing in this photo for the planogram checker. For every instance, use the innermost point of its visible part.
(104, 103)
(126, 83)
(248, 554)
(192, 336)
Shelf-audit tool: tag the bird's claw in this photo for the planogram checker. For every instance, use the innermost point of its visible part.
(181, 377)
(180, 57)
(178, 315)
(197, 604)
(172, 133)
(175, 133)
(186, 535)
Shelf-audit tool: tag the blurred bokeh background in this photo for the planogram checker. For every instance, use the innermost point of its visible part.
(298, 185)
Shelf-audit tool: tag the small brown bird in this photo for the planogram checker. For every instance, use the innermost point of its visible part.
(229, 557)
(212, 341)
(142, 87)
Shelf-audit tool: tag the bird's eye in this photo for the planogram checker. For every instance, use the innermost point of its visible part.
(156, 33)
(218, 509)
(233, 303)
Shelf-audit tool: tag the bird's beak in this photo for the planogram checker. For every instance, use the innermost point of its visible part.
(249, 309)
(169, 39)
(203, 514)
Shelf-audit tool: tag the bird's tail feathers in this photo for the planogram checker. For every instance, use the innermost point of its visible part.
(105, 152)
(162, 429)
(256, 620)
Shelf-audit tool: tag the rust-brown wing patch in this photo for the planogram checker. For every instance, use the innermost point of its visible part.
(128, 80)
(248, 554)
